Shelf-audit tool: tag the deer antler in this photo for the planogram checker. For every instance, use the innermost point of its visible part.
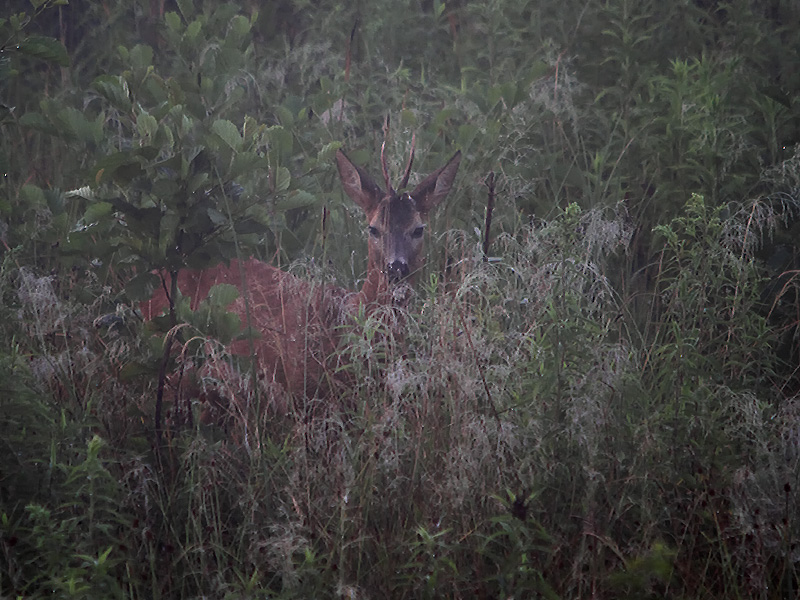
(407, 174)
(389, 189)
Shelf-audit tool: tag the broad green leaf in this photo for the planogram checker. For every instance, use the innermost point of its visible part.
(35, 120)
(68, 123)
(46, 48)
(192, 31)
(32, 195)
(197, 181)
(216, 217)
(327, 152)
(55, 201)
(228, 132)
(168, 226)
(228, 327)
(114, 89)
(281, 179)
(296, 199)
(173, 21)
(142, 286)
(132, 370)
(222, 294)
(251, 129)
(119, 166)
(187, 8)
(79, 243)
(249, 226)
(141, 56)
(408, 118)
(280, 144)
(165, 189)
(246, 162)
(238, 30)
(147, 126)
(284, 115)
(466, 134)
(441, 118)
(97, 211)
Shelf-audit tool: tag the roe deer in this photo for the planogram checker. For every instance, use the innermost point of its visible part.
(299, 322)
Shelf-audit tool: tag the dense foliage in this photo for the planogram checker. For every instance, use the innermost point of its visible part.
(605, 406)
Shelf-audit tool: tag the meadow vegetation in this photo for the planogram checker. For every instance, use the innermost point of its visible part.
(606, 404)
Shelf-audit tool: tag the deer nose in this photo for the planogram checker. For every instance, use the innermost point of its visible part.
(397, 271)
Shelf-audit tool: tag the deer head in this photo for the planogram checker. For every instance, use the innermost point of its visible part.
(396, 219)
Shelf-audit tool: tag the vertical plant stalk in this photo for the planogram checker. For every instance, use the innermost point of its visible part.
(349, 51)
(162, 371)
(489, 400)
(247, 305)
(490, 181)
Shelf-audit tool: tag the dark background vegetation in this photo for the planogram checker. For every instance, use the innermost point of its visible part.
(604, 407)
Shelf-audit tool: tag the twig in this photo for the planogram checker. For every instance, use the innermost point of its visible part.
(486, 389)
(489, 209)
(349, 51)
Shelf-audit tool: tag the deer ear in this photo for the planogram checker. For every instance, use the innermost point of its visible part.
(433, 189)
(357, 183)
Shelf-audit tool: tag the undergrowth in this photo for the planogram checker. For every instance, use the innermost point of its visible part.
(603, 406)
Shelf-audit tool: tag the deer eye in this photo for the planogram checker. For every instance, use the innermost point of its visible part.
(417, 233)
(374, 232)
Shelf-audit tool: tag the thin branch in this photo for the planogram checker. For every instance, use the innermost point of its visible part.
(490, 180)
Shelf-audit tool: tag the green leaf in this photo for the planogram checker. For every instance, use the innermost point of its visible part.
(284, 116)
(173, 21)
(216, 217)
(46, 48)
(327, 152)
(186, 7)
(32, 195)
(296, 199)
(192, 31)
(281, 179)
(222, 294)
(132, 370)
(197, 181)
(238, 30)
(73, 124)
(408, 118)
(35, 120)
(249, 226)
(141, 56)
(147, 126)
(168, 226)
(246, 162)
(114, 89)
(97, 211)
(228, 132)
(121, 166)
(280, 142)
(165, 190)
